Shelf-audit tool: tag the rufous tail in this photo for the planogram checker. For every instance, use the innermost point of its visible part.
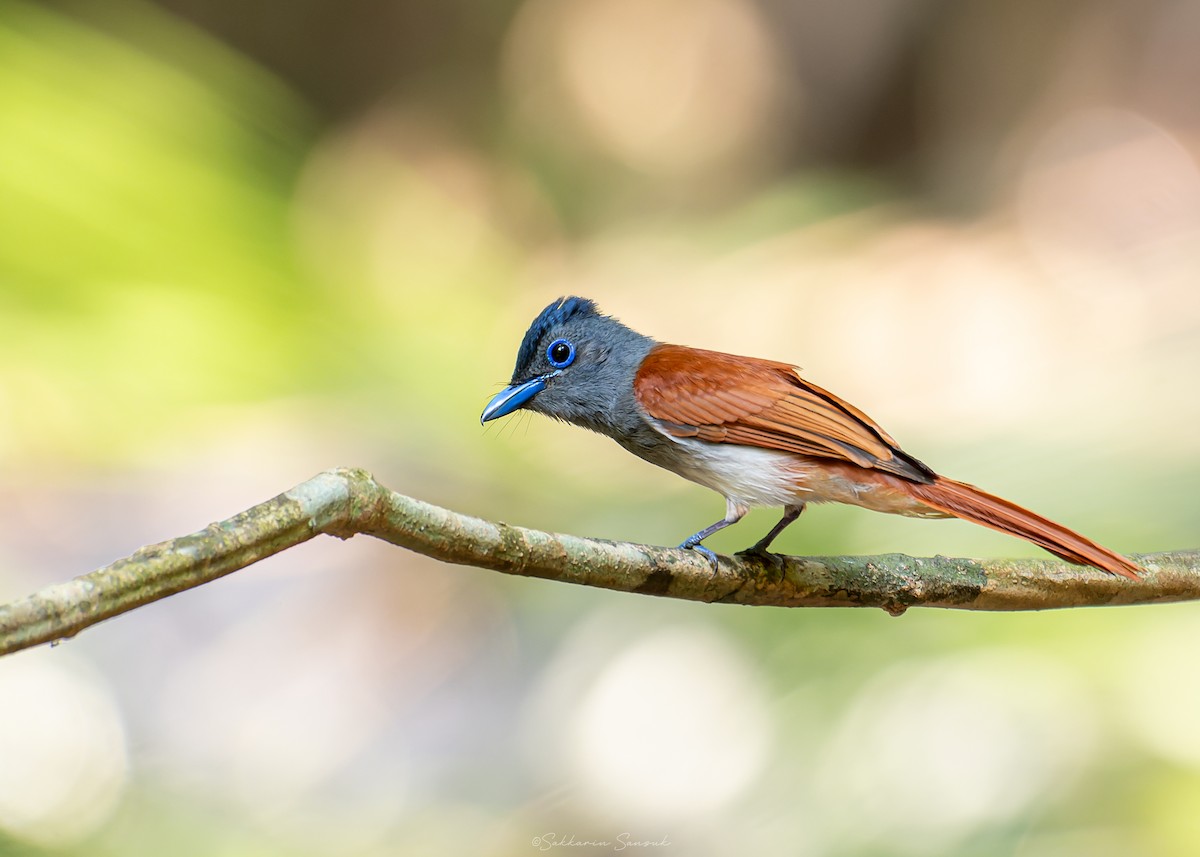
(969, 503)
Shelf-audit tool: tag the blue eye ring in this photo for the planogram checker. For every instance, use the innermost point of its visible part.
(557, 356)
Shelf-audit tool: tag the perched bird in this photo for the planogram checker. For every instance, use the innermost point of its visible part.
(752, 430)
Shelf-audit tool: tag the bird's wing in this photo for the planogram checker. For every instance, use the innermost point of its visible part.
(721, 398)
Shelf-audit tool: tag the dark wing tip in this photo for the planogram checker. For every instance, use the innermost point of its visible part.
(903, 464)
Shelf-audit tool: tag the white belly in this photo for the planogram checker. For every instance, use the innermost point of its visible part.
(746, 474)
(750, 476)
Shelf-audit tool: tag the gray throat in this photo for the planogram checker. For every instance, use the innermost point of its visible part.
(614, 410)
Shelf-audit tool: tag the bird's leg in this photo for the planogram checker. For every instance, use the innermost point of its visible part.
(734, 512)
(790, 514)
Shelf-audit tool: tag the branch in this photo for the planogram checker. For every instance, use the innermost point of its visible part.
(346, 502)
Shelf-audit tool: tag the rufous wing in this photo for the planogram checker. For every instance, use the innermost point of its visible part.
(722, 398)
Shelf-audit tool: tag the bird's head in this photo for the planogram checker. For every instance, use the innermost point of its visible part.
(574, 364)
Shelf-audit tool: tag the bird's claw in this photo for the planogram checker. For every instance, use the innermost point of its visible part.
(704, 552)
(763, 555)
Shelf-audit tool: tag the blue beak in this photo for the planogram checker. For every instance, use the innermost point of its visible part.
(511, 398)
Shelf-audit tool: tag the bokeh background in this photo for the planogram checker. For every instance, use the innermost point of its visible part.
(244, 242)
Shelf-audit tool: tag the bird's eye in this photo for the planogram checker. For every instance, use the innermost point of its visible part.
(561, 353)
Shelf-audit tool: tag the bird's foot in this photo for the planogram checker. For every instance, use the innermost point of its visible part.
(689, 545)
(760, 553)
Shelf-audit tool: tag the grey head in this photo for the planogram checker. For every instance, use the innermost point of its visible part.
(576, 364)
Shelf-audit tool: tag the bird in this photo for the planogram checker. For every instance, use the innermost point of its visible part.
(751, 429)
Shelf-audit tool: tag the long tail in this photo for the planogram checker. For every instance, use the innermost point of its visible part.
(971, 504)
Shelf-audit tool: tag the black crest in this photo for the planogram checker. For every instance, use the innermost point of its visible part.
(559, 312)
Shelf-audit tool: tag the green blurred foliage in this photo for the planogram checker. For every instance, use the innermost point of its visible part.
(147, 265)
